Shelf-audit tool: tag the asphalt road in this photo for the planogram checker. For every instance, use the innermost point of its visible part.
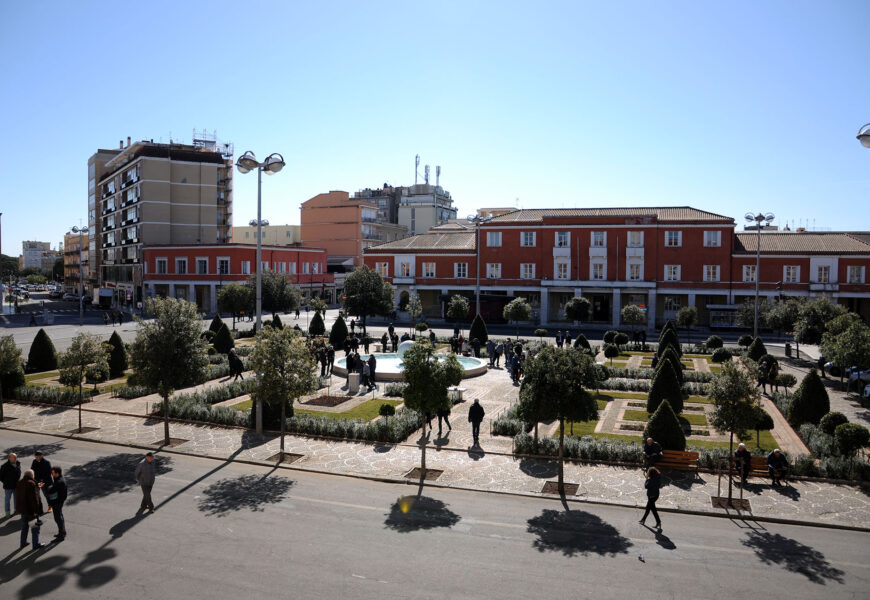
(226, 530)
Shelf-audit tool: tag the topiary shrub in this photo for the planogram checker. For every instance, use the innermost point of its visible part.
(610, 336)
(12, 381)
(611, 351)
(117, 357)
(670, 338)
(668, 326)
(713, 342)
(744, 340)
(317, 327)
(42, 355)
(756, 350)
(721, 355)
(810, 401)
(621, 339)
(671, 357)
(223, 340)
(851, 437)
(664, 386)
(786, 380)
(421, 327)
(216, 323)
(665, 428)
(338, 333)
(387, 410)
(478, 330)
(831, 421)
(581, 343)
(276, 322)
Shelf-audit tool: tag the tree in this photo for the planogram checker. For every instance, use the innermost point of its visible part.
(556, 384)
(318, 305)
(634, 316)
(517, 310)
(223, 342)
(415, 310)
(664, 427)
(611, 351)
(387, 410)
(277, 293)
(10, 362)
(235, 299)
(42, 355)
(168, 353)
(610, 336)
(338, 333)
(849, 438)
(831, 421)
(215, 324)
(745, 340)
(669, 338)
(847, 343)
(735, 406)
(317, 328)
(713, 342)
(721, 355)
(810, 401)
(664, 386)
(786, 380)
(578, 309)
(85, 351)
(277, 323)
(285, 372)
(746, 313)
(812, 320)
(621, 340)
(541, 332)
(427, 380)
(366, 294)
(478, 330)
(783, 315)
(686, 317)
(763, 422)
(756, 350)
(457, 308)
(117, 356)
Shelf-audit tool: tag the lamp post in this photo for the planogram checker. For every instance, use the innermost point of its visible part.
(864, 135)
(248, 162)
(758, 220)
(477, 220)
(81, 231)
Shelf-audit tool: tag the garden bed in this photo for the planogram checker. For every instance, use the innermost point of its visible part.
(330, 401)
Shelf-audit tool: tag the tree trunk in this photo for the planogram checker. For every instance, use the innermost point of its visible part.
(283, 429)
(1, 402)
(536, 437)
(758, 439)
(80, 406)
(423, 449)
(234, 321)
(561, 454)
(730, 470)
(166, 419)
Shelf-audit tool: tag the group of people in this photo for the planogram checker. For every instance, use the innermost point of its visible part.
(366, 368)
(460, 345)
(563, 340)
(22, 493)
(768, 370)
(113, 316)
(324, 354)
(777, 465)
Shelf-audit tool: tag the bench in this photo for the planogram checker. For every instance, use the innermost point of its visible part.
(678, 460)
(757, 467)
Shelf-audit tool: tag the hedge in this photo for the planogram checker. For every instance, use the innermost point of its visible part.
(51, 395)
(628, 373)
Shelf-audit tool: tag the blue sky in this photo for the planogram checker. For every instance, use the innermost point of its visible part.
(730, 107)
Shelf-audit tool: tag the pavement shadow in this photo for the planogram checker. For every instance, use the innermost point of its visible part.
(475, 452)
(251, 492)
(53, 573)
(108, 475)
(252, 439)
(788, 491)
(382, 449)
(12, 525)
(413, 513)
(542, 469)
(574, 532)
(792, 555)
(663, 540)
(441, 440)
(30, 449)
(18, 561)
(684, 480)
(52, 410)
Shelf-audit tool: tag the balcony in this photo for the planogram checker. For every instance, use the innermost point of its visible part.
(597, 252)
(562, 251)
(824, 287)
(402, 280)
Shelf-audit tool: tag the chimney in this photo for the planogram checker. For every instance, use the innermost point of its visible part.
(121, 144)
(128, 141)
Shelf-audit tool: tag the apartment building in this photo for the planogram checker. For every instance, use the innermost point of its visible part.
(75, 263)
(423, 206)
(37, 255)
(275, 235)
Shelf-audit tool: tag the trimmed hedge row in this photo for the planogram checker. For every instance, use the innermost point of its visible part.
(688, 376)
(220, 393)
(51, 395)
(643, 385)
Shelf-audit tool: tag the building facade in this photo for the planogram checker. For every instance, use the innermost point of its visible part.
(658, 258)
(36, 254)
(75, 264)
(274, 235)
(196, 272)
(423, 206)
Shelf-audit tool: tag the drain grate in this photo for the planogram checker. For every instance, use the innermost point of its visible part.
(552, 487)
(83, 430)
(288, 458)
(427, 475)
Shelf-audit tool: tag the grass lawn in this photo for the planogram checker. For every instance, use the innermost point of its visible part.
(43, 375)
(715, 368)
(629, 395)
(633, 353)
(767, 441)
(699, 399)
(643, 416)
(366, 411)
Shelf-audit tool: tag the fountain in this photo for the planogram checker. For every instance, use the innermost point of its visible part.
(389, 367)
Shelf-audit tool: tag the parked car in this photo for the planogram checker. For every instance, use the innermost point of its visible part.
(87, 300)
(56, 294)
(69, 296)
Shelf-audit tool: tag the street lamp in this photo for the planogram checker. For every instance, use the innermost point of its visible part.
(248, 162)
(864, 135)
(758, 220)
(81, 231)
(477, 220)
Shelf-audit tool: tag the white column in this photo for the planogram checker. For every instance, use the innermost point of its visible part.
(544, 313)
(691, 299)
(651, 309)
(617, 306)
(578, 292)
(172, 290)
(213, 295)
(444, 292)
(191, 293)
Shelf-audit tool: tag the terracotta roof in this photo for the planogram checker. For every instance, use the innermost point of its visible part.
(662, 214)
(430, 241)
(809, 242)
(456, 225)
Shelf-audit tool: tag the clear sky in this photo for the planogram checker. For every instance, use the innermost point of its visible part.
(730, 106)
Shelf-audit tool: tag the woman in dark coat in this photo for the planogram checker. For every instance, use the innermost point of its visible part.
(652, 484)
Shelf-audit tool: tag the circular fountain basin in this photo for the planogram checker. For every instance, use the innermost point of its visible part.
(389, 367)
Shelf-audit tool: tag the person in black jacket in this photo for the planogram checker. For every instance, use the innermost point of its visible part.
(10, 473)
(475, 416)
(652, 484)
(743, 461)
(777, 466)
(56, 497)
(30, 507)
(652, 452)
(41, 472)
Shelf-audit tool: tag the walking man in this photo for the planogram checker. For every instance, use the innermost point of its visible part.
(330, 358)
(559, 338)
(444, 413)
(41, 472)
(373, 366)
(30, 507)
(56, 498)
(475, 416)
(145, 474)
(10, 473)
(652, 484)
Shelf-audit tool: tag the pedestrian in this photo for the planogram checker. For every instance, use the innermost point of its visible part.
(145, 475)
(41, 471)
(444, 413)
(777, 466)
(373, 365)
(366, 341)
(330, 358)
(395, 342)
(743, 459)
(106, 318)
(821, 365)
(10, 473)
(236, 365)
(763, 375)
(559, 338)
(655, 360)
(475, 416)
(30, 506)
(475, 346)
(499, 350)
(33, 319)
(567, 338)
(56, 498)
(352, 325)
(432, 338)
(297, 314)
(366, 372)
(652, 484)
(652, 452)
(384, 343)
(490, 352)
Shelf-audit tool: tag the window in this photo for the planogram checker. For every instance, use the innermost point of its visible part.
(493, 270)
(460, 270)
(634, 273)
(635, 239)
(711, 272)
(305, 268)
(246, 267)
(672, 272)
(264, 265)
(293, 268)
(748, 273)
(562, 270)
(824, 274)
(527, 240)
(315, 268)
(202, 266)
(247, 234)
(383, 269)
(791, 274)
(162, 266)
(856, 274)
(287, 233)
(527, 270)
(181, 266)
(712, 239)
(281, 267)
(493, 239)
(673, 239)
(599, 239)
(598, 271)
(404, 269)
(563, 239)
(673, 303)
(429, 269)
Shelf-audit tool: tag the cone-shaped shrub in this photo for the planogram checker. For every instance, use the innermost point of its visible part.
(317, 327)
(338, 333)
(215, 324)
(671, 357)
(665, 428)
(810, 401)
(478, 330)
(669, 326)
(669, 338)
(117, 357)
(276, 322)
(223, 340)
(42, 356)
(581, 343)
(756, 350)
(831, 420)
(664, 386)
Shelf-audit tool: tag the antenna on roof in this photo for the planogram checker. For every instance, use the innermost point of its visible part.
(416, 167)
(437, 175)
(426, 174)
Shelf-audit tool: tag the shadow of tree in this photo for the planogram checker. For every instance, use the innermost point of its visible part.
(108, 475)
(252, 439)
(684, 480)
(574, 532)
(412, 513)
(29, 449)
(543, 469)
(250, 492)
(773, 548)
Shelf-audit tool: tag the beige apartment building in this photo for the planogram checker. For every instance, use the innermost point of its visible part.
(273, 235)
(73, 270)
(150, 193)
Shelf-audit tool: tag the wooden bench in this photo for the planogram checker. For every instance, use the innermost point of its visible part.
(678, 460)
(757, 467)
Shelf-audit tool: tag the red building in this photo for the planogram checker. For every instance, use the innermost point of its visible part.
(659, 258)
(197, 272)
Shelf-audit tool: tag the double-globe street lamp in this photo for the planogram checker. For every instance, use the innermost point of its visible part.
(81, 231)
(477, 220)
(248, 162)
(758, 220)
(864, 135)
